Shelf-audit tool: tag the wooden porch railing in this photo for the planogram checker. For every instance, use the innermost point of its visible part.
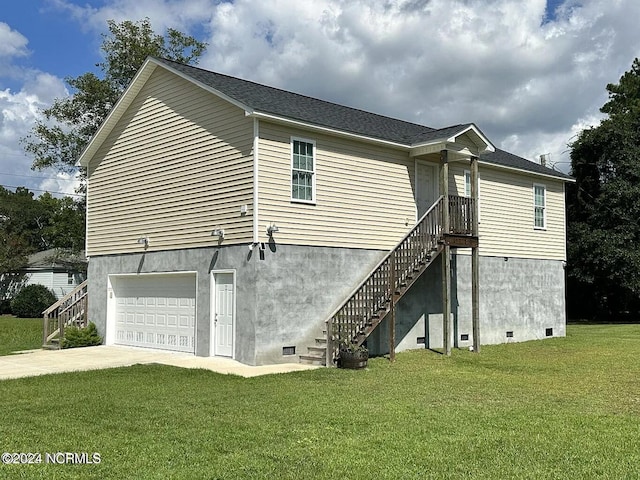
(372, 299)
(461, 213)
(70, 310)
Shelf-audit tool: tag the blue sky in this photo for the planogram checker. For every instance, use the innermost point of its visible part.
(57, 43)
(530, 74)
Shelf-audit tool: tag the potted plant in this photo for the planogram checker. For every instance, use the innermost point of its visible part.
(353, 356)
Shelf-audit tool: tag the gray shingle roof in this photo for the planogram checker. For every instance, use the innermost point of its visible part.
(293, 106)
(506, 159)
(55, 258)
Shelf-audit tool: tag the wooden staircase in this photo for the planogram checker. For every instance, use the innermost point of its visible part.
(70, 310)
(317, 353)
(359, 315)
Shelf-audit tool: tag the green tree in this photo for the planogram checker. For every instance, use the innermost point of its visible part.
(67, 126)
(29, 224)
(65, 226)
(604, 208)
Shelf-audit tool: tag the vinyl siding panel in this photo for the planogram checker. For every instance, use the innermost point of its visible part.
(55, 281)
(506, 213)
(178, 163)
(364, 195)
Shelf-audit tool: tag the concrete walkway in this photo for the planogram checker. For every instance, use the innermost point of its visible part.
(42, 362)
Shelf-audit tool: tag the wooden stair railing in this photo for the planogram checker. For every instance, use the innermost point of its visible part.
(366, 307)
(70, 310)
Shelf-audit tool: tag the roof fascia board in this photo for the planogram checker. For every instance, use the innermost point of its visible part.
(330, 131)
(430, 147)
(462, 152)
(526, 172)
(148, 67)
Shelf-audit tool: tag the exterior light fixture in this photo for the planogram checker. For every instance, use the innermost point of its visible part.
(271, 229)
(218, 232)
(144, 241)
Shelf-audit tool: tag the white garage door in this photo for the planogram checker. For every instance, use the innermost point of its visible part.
(156, 311)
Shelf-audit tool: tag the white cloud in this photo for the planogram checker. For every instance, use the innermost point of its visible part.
(182, 15)
(62, 183)
(529, 81)
(18, 113)
(12, 43)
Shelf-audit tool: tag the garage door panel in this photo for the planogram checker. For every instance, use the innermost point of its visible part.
(156, 311)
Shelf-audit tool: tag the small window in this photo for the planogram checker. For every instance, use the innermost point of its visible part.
(69, 278)
(539, 206)
(303, 171)
(467, 183)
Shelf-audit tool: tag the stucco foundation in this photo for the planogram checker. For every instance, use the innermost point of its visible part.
(520, 299)
(285, 293)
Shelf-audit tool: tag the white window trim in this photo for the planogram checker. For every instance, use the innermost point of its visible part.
(464, 177)
(544, 207)
(313, 176)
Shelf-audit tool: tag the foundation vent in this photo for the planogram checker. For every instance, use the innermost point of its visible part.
(464, 337)
(548, 332)
(289, 350)
(421, 340)
(509, 333)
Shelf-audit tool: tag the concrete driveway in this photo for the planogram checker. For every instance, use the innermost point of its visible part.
(42, 362)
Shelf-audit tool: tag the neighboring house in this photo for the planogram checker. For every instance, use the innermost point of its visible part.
(59, 270)
(230, 218)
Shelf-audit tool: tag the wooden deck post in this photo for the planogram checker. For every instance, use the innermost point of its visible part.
(392, 313)
(475, 260)
(446, 255)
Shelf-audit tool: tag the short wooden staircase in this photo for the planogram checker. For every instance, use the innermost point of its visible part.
(359, 315)
(70, 310)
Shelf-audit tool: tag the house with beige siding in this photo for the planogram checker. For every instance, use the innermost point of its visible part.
(229, 218)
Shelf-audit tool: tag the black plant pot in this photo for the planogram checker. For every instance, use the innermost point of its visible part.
(353, 360)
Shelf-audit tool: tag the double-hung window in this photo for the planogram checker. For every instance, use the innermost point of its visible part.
(539, 206)
(303, 170)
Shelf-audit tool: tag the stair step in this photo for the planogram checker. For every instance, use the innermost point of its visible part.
(322, 341)
(313, 360)
(317, 350)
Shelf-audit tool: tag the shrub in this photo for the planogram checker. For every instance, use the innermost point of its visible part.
(81, 337)
(32, 300)
(5, 307)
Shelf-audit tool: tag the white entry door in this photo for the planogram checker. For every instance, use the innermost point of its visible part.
(223, 314)
(426, 187)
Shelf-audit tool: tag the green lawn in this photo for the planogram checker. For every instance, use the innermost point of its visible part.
(558, 408)
(19, 334)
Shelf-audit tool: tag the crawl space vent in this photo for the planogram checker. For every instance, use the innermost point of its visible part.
(464, 337)
(510, 334)
(548, 332)
(421, 340)
(288, 350)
